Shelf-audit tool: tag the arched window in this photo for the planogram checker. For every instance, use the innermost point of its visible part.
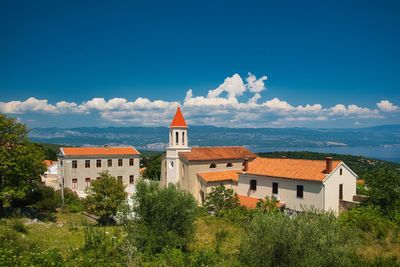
(177, 137)
(213, 165)
(229, 165)
(341, 171)
(183, 138)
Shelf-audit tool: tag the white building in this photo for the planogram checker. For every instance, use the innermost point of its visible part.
(79, 166)
(50, 177)
(296, 183)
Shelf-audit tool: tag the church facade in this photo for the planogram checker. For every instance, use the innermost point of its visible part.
(296, 183)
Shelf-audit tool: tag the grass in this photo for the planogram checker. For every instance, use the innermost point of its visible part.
(67, 233)
(206, 230)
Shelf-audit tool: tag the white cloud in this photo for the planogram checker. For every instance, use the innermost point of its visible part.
(387, 106)
(233, 86)
(255, 85)
(233, 103)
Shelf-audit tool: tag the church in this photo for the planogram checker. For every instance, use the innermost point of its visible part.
(296, 183)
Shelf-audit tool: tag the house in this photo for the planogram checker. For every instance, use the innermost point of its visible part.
(80, 166)
(295, 183)
(50, 176)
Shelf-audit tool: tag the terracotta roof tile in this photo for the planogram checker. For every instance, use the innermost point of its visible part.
(179, 120)
(219, 176)
(48, 163)
(301, 169)
(251, 202)
(87, 151)
(217, 153)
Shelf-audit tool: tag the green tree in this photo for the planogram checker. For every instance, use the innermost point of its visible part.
(267, 205)
(106, 195)
(164, 217)
(308, 239)
(384, 191)
(21, 162)
(153, 168)
(220, 198)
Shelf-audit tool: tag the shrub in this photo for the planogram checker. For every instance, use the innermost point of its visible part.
(368, 219)
(164, 218)
(107, 195)
(309, 239)
(72, 202)
(267, 205)
(49, 200)
(221, 198)
(18, 226)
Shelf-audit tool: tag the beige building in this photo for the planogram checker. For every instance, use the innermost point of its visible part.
(80, 166)
(295, 183)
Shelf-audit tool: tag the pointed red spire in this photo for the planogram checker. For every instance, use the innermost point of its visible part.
(179, 120)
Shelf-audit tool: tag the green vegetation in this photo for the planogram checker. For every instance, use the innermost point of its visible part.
(165, 227)
(220, 198)
(21, 163)
(152, 164)
(310, 239)
(106, 195)
(164, 218)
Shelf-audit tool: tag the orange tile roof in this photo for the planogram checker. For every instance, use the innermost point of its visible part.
(218, 153)
(301, 169)
(251, 202)
(142, 169)
(48, 163)
(87, 151)
(219, 176)
(179, 120)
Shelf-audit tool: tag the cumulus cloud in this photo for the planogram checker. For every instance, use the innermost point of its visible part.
(255, 85)
(233, 103)
(387, 106)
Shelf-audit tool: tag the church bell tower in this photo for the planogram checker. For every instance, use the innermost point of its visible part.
(178, 142)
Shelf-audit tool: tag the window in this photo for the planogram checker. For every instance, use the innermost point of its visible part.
(171, 164)
(131, 162)
(109, 162)
(74, 183)
(183, 138)
(87, 163)
(341, 191)
(98, 163)
(340, 171)
(253, 185)
(119, 162)
(177, 138)
(229, 165)
(74, 164)
(300, 190)
(87, 182)
(119, 178)
(131, 179)
(213, 165)
(274, 188)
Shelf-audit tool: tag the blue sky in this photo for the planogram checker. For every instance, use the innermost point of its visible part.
(328, 63)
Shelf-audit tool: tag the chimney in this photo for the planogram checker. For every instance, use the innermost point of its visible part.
(245, 164)
(328, 168)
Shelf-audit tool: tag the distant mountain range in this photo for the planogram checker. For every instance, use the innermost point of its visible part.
(156, 138)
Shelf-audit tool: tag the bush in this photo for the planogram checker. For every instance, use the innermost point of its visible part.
(164, 218)
(368, 219)
(49, 200)
(309, 239)
(221, 198)
(107, 195)
(18, 225)
(73, 203)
